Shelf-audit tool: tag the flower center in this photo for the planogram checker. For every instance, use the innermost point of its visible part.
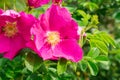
(53, 38)
(10, 29)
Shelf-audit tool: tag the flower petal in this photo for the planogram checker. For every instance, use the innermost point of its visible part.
(37, 3)
(44, 22)
(4, 44)
(70, 31)
(68, 49)
(16, 44)
(8, 16)
(32, 46)
(1, 11)
(11, 13)
(46, 52)
(38, 35)
(59, 19)
(25, 22)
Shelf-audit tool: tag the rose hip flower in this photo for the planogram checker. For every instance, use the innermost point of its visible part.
(37, 3)
(55, 35)
(14, 32)
(1, 11)
(56, 1)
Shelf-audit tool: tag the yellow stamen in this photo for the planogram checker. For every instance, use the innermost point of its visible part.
(10, 29)
(53, 38)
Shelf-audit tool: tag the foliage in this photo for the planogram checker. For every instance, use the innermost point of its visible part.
(101, 43)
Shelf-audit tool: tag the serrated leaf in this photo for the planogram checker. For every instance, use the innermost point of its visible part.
(61, 66)
(82, 13)
(33, 62)
(100, 45)
(83, 65)
(93, 68)
(107, 38)
(94, 52)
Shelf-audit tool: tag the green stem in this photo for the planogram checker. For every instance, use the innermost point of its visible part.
(4, 5)
(14, 5)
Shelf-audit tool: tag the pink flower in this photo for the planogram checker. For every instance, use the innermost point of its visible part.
(57, 1)
(55, 35)
(1, 11)
(37, 3)
(14, 32)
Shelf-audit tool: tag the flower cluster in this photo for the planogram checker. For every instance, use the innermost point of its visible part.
(52, 36)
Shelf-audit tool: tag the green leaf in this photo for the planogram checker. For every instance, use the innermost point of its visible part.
(100, 45)
(84, 21)
(94, 52)
(82, 13)
(117, 57)
(107, 38)
(0, 78)
(91, 6)
(74, 66)
(61, 66)
(34, 77)
(83, 65)
(101, 58)
(94, 20)
(9, 73)
(117, 16)
(3, 61)
(52, 72)
(33, 62)
(93, 68)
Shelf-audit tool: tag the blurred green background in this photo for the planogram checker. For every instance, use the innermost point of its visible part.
(108, 12)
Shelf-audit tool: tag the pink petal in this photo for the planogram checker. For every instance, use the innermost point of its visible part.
(16, 44)
(4, 44)
(37, 3)
(70, 31)
(46, 52)
(69, 49)
(25, 22)
(44, 22)
(11, 13)
(38, 35)
(32, 46)
(1, 11)
(54, 18)
(8, 16)
(59, 19)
